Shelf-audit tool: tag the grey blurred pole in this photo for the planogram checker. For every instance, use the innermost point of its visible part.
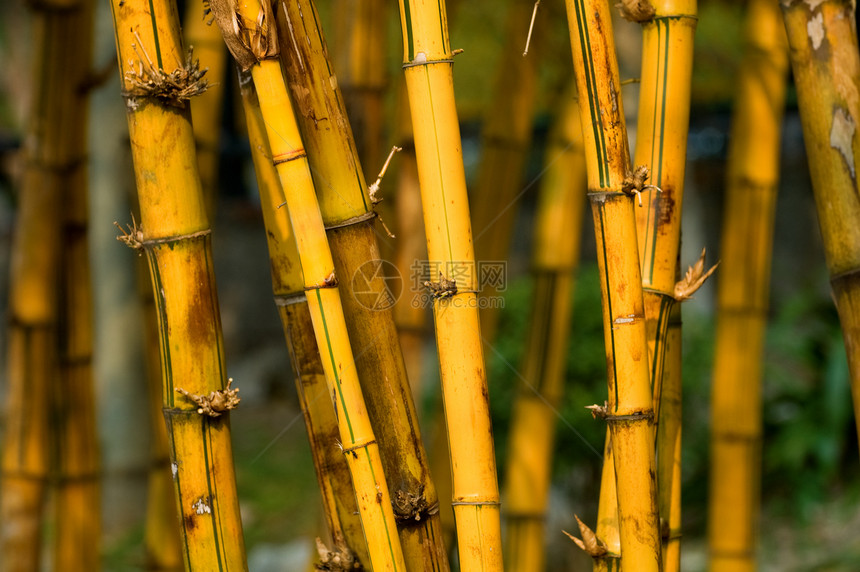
(121, 386)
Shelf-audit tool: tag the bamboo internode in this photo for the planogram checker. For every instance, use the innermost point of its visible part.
(505, 143)
(743, 292)
(157, 80)
(49, 406)
(357, 439)
(428, 63)
(339, 504)
(611, 184)
(661, 145)
(204, 37)
(346, 208)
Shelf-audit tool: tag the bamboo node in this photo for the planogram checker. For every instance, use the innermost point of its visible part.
(408, 506)
(132, 235)
(693, 279)
(217, 402)
(590, 544)
(339, 559)
(636, 10)
(634, 183)
(150, 82)
(443, 289)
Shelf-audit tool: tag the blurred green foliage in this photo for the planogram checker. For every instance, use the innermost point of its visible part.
(810, 446)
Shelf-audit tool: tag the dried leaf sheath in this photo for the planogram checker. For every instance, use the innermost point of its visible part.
(428, 71)
(174, 234)
(630, 411)
(339, 506)
(743, 291)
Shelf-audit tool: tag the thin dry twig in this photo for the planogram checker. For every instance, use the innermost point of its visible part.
(373, 189)
(531, 28)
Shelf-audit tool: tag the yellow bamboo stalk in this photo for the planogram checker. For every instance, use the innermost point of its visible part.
(743, 292)
(661, 145)
(76, 447)
(428, 69)
(162, 537)
(55, 164)
(630, 411)
(669, 445)
(255, 50)
(346, 208)
(410, 315)
(339, 505)
(826, 71)
(359, 58)
(204, 37)
(157, 82)
(555, 259)
(506, 139)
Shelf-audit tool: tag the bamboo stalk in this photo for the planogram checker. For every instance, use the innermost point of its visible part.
(339, 505)
(54, 151)
(505, 142)
(255, 51)
(359, 60)
(162, 536)
(157, 82)
(669, 445)
(743, 292)
(661, 144)
(428, 70)
(74, 435)
(555, 259)
(824, 60)
(611, 184)
(204, 37)
(346, 208)
(410, 315)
